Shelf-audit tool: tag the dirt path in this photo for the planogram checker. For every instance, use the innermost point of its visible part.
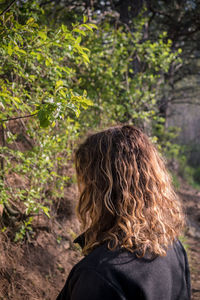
(191, 202)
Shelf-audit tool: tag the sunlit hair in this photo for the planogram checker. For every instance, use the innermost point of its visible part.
(126, 194)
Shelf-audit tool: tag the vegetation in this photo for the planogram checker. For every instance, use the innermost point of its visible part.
(37, 74)
(64, 73)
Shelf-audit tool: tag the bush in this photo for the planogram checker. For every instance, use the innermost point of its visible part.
(197, 175)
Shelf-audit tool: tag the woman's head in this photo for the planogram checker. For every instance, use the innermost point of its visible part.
(126, 196)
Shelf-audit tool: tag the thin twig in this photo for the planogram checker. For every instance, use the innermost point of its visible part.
(2, 158)
(7, 8)
(16, 118)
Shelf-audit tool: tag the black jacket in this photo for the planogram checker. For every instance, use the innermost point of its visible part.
(120, 275)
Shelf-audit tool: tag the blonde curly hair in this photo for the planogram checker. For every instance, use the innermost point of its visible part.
(126, 193)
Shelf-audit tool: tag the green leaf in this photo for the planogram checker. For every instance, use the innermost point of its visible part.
(48, 61)
(58, 84)
(30, 20)
(85, 18)
(42, 35)
(40, 57)
(10, 50)
(17, 99)
(80, 31)
(87, 27)
(16, 48)
(62, 93)
(64, 28)
(93, 25)
(85, 57)
(46, 211)
(88, 102)
(43, 118)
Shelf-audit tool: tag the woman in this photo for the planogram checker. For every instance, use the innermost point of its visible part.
(131, 219)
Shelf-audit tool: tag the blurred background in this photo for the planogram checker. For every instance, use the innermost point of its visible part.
(69, 67)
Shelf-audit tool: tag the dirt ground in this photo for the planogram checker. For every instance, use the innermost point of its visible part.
(37, 269)
(191, 203)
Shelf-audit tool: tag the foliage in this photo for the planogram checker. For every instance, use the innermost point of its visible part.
(197, 175)
(175, 180)
(49, 72)
(190, 174)
(166, 139)
(186, 171)
(125, 73)
(37, 71)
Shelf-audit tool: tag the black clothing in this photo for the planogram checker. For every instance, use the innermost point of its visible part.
(120, 275)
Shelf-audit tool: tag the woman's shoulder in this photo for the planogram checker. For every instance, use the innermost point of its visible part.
(124, 274)
(101, 258)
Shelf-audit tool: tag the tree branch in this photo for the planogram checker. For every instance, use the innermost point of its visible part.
(16, 118)
(7, 8)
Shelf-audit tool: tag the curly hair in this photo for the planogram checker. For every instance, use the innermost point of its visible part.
(126, 193)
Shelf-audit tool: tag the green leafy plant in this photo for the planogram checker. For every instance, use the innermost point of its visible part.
(125, 73)
(39, 108)
(53, 71)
